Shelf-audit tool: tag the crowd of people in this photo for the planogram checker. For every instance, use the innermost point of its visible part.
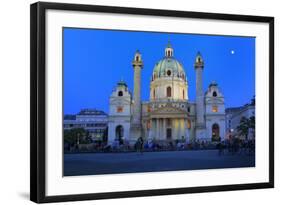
(232, 146)
(236, 146)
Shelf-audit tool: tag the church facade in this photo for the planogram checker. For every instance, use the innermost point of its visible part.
(169, 114)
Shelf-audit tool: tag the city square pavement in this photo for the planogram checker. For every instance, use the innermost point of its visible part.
(110, 163)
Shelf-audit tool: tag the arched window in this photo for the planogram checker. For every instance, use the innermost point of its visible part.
(169, 91)
(137, 58)
(120, 93)
(154, 94)
(183, 94)
(119, 109)
(215, 94)
(215, 108)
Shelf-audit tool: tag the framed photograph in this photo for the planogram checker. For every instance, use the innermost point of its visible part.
(129, 102)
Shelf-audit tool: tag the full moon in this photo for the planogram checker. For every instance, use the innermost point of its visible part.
(232, 52)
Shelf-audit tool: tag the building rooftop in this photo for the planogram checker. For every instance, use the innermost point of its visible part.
(238, 109)
(233, 109)
(69, 117)
(91, 112)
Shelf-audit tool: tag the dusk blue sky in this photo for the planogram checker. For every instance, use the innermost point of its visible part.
(95, 60)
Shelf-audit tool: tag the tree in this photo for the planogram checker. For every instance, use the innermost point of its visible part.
(252, 124)
(244, 126)
(73, 135)
(105, 135)
(253, 101)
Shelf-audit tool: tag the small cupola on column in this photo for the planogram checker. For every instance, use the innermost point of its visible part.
(169, 51)
(137, 59)
(199, 62)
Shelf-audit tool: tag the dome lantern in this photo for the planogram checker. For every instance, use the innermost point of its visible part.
(169, 51)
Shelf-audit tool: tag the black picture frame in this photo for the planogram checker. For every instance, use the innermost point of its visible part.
(38, 103)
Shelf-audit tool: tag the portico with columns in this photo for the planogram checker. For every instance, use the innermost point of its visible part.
(169, 122)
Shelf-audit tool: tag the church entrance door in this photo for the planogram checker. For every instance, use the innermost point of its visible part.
(215, 132)
(119, 133)
(169, 133)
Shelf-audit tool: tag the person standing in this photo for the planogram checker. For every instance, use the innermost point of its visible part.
(140, 145)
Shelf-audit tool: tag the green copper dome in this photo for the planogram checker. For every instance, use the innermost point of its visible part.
(168, 66)
(122, 83)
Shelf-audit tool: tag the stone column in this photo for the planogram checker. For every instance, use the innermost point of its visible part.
(153, 127)
(157, 128)
(160, 128)
(176, 128)
(136, 130)
(186, 131)
(200, 105)
(173, 127)
(164, 128)
(137, 92)
(199, 98)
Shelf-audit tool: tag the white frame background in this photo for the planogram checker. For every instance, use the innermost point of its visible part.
(56, 184)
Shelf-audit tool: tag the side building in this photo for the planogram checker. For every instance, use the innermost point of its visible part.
(234, 116)
(92, 120)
